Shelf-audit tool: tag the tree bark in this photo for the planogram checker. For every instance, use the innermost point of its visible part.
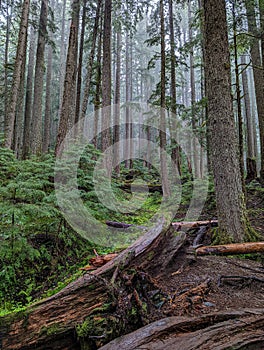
(222, 134)
(69, 94)
(107, 86)
(162, 133)
(117, 102)
(36, 130)
(258, 77)
(47, 117)
(80, 65)
(22, 43)
(251, 156)
(29, 95)
(91, 60)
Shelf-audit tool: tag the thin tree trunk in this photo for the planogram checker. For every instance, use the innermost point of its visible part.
(22, 43)
(128, 121)
(91, 60)
(232, 217)
(98, 89)
(107, 86)
(80, 65)
(29, 94)
(47, 118)
(175, 152)
(117, 103)
(69, 94)
(258, 75)
(162, 133)
(193, 97)
(251, 161)
(36, 131)
(7, 41)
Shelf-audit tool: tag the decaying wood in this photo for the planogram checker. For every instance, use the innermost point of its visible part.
(186, 225)
(239, 279)
(51, 323)
(229, 249)
(141, 188)
(199, 236)
(226, 330)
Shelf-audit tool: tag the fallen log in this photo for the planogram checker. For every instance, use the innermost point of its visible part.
(90, 311)
(224, 330)
(141, 188)
(230, 249)
(186, 225)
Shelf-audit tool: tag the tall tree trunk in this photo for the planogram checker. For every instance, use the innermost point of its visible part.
(117, 102)
(258, 76)
(107, 86)
(62, 70)
(18, 130)
(162, 133)
(98, 90)
(69, 94)
(238, 100)
(193, 97)
(47, 118)
(91, 60)
(80, 65)
(22, 43)
(36, 131)
(251, 156)
(7, 42)
(128, 121)
(175, 152)
(29, 94)
(232, 217)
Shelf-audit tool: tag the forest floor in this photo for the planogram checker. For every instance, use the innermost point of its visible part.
(203, 284)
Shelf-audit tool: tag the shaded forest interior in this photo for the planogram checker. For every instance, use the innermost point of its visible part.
(131, 154)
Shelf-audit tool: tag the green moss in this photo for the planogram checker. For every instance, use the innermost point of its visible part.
(50, 330)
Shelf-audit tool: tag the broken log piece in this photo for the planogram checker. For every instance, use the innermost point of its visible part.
(200, 236)
(237, 329)
(239, 278)
(230, 249)
(118, 224)
(193, 224)
(101, 260)
(141, 188)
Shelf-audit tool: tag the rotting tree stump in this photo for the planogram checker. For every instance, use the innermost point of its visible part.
(116, 299)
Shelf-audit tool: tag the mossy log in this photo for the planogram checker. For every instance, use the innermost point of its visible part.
(72, 317)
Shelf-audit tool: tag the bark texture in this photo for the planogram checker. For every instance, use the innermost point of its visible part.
(233, 222)
(22, 43)
(36, 130)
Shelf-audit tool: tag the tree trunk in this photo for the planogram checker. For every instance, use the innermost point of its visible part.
(128, 121)
(69, 94)
(91, 60)
(80, 65)
(251, 156)
(47, 118)
(117, 103)
(221, 127)
(36, 130)
(29, 95)
(162, 133)
(258, 77)
(22, 43)
(193, 97)
(98, 90)
(107, 86)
